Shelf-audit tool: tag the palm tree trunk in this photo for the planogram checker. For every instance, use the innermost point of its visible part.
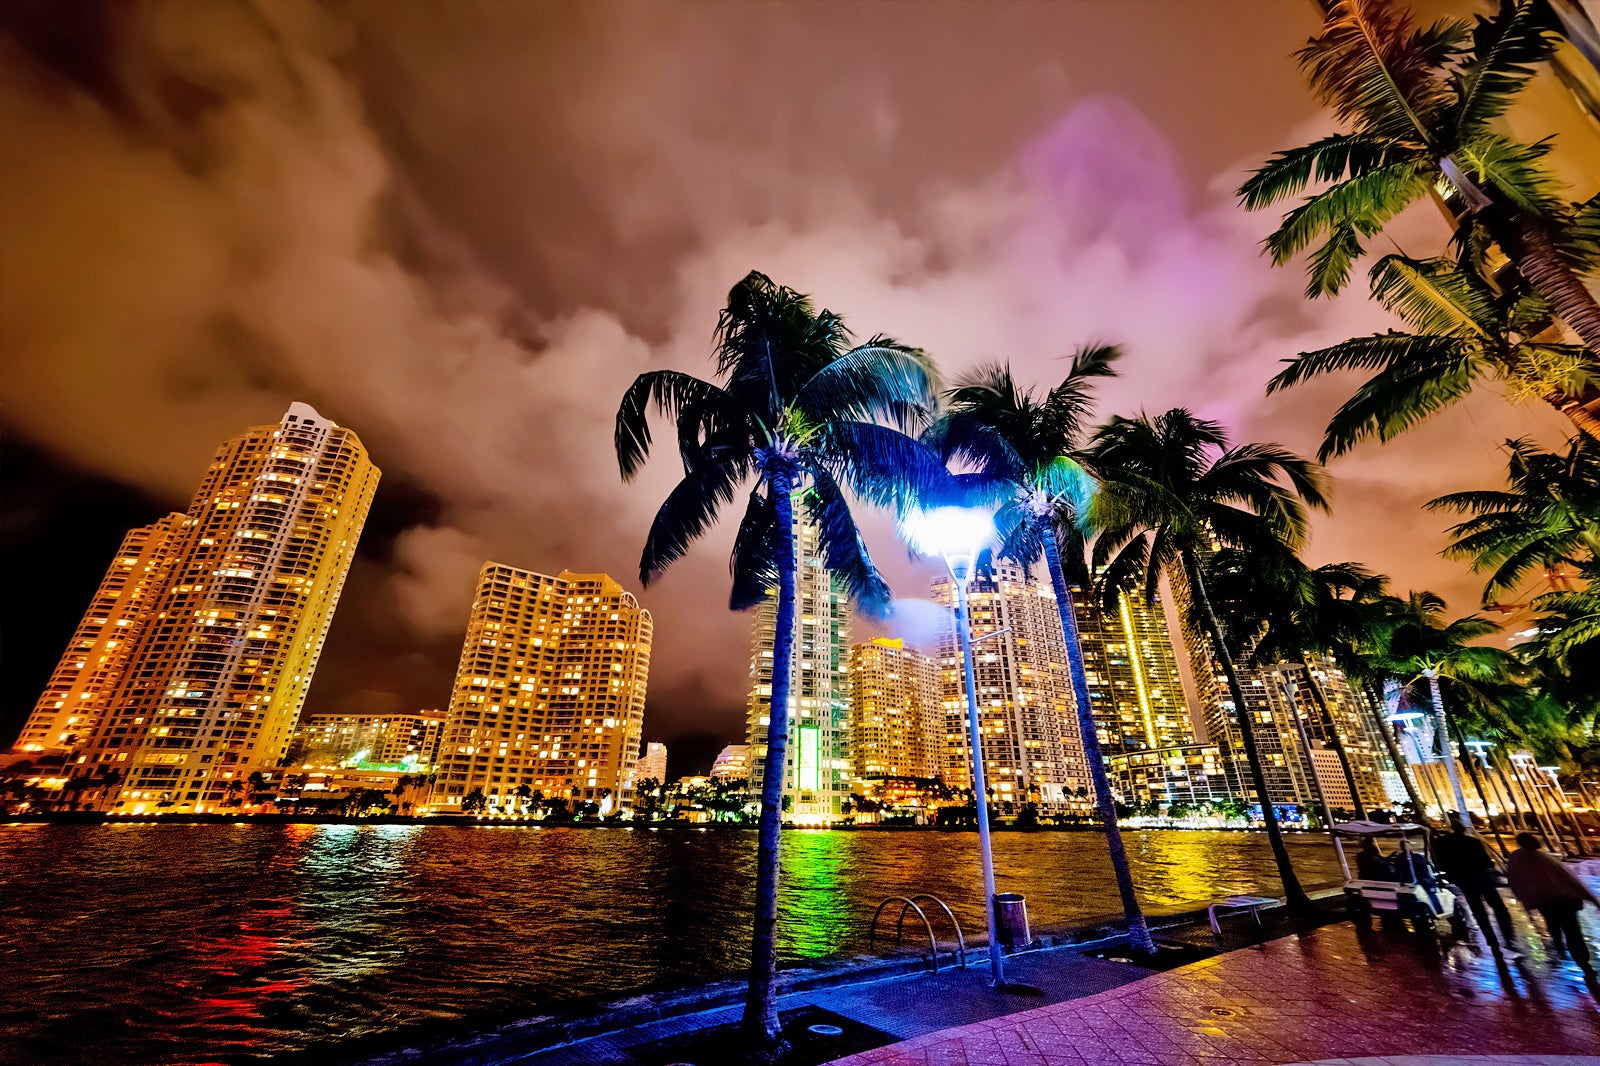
(1293, 704)
(1138, 928)
(1396, 759)
(1582, 411)
(1477, 783)
(760, 1021)
(1295, 897)
(1319, 698)
(1447, 750)
(1530, 249)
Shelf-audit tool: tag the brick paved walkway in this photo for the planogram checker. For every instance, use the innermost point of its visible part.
(1331, 993)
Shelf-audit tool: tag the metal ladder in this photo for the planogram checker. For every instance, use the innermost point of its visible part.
(909, 903)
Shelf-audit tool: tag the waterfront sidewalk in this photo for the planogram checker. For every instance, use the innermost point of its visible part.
(1331, 993)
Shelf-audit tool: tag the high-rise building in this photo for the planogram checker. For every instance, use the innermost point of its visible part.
(231, 609)
(896, 712)
(1032, 748)
(652, 764)
(1135, 689)
(82, 683)
(732, 763)
(1191, 774)
(550, 690)
(817, 774)
(410, 740)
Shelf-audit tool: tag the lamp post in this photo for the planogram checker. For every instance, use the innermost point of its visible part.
(1522, 771)
(1486, 789)
(1558, 799)
(1402, 720)
(957, 535)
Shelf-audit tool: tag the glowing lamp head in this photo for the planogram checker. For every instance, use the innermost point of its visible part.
(1406, 716)
(956, 534)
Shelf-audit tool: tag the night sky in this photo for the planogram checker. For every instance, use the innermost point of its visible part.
(462, 229)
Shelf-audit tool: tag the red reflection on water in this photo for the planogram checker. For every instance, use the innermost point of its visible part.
(231, 958)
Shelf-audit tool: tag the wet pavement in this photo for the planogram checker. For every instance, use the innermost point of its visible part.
(1334, 994)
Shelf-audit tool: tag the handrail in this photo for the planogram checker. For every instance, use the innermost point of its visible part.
(960, 939)
(909, 903)
(872, 934)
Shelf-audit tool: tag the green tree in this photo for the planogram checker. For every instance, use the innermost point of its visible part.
(1277, 610)
(1027, 450)
(798, 410)
(1180, 489)
(1462, 330)
(1420, 107)
(1547, 516)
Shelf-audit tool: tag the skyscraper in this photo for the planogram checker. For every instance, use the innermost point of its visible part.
(550, 690)
(229, 605)
(81, 686)
(1134, 686)
(652, 764)
(817, 777)
(896, 711)
(410, 740)
(1033, 751)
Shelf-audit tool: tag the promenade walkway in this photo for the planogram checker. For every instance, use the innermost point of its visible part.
(1331, 994)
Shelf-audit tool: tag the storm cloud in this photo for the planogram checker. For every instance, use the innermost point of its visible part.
(462, 229)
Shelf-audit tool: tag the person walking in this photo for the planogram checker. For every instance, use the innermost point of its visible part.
(1543, 883)
(1470, 867)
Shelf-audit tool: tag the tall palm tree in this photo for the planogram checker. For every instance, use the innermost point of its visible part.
(1279, 610)
(1423, 646)
(801, 413)
(1026, 449)
(1420, 105)
(1358, 626)
(1547, 517)
(1462, 330)
(1180, 489)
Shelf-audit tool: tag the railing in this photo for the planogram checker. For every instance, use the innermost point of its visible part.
(909, 903)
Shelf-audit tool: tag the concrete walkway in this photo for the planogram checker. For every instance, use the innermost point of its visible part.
(1332, 994)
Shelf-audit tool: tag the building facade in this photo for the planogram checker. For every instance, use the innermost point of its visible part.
(1191, 774)
(236, 597)
(817, 774)
(549, 694)
(1135, 689)
(409, 740)
(732, 763)
(1032, 747)
(896, 712)
(80, 688)
(652, 764)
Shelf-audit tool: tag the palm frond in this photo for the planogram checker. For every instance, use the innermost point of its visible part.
(1381, 351)
(1507, 47)
(881, 380)
(1330, 159)
(843, 552)
(1515, 170)
(1400, 397)
(670, 393)
(689, 508)
(1346, 212)
(753, 563)
(884, 466)
(1434, 296)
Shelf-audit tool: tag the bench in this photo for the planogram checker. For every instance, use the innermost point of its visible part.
(1237, 903)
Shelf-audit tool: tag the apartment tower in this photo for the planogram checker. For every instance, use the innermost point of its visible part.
(1032, 748)
(1135, 689)
(549, 693)
(817, 774)
(226, 608)
(896, 712)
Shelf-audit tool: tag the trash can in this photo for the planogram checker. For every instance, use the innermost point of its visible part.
(1011, 919)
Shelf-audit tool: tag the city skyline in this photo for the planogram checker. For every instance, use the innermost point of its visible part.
(1092, 191)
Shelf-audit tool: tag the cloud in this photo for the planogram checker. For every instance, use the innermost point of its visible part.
(463, 234)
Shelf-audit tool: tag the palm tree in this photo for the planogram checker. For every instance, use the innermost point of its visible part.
(1181, 490)
(1547, 517)
(795, 409)
(1423, 646)
(1358, 626)
(1026, 450)
(1462, 330)
(1278, 610)
(1420, 105)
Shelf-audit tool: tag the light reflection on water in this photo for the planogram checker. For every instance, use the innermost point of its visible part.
(150, 944)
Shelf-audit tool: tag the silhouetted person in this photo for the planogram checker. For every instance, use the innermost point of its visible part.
(1370, 863)
(1467, 863)
(1542, 882)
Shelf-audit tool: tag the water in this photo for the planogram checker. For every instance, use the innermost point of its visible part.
(233, 943)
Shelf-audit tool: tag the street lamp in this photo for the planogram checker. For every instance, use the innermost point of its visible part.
(957, 535)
